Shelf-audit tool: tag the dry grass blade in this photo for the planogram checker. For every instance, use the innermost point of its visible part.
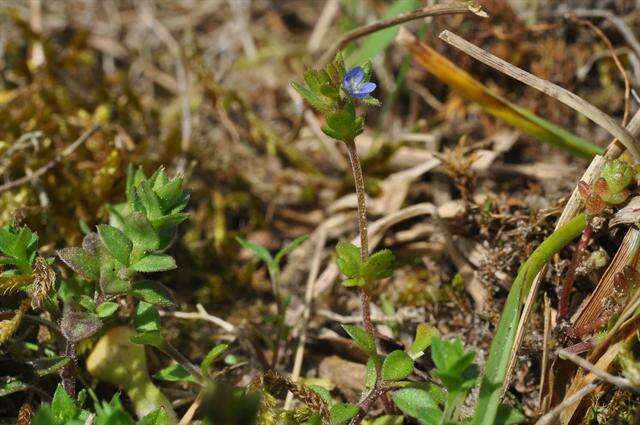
(472, 89)
(553, 90)
(594, 307)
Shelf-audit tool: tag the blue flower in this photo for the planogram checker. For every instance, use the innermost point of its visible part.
(354, 83)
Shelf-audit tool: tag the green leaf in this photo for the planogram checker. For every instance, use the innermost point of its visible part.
(170, 192)
(154, 263)
(153, 338)
(288, 249)
(397, 366)
(324, 393)
(341, 413)
(453, 364)
(140, 231)
(87, 302)
(362, 338)
(358, 281)
(260, 251)
(504, 340)
(418, 404)
(11, 385)
(174, 373)
(157, 417)
(150, 200)
(348, 261)
(152, 292)
(380, 40)
(211, 356)
(147, 318)
(321, 103)
(378, 266)
(63, 406)
(78, 325)
(106, 309)
(49, 365)
(508, 415)
(169, 220)
(81, 262)
(422, 341)
(116, 242)
(345, 125)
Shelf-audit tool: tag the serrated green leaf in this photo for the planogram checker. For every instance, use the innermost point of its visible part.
(362, 338)
(106, 309)
(174, 373)
(348, 261)
(152, 292)
(260, 251)
(81, 262)
(63, 406)
(87, 302)
(324, 394)
(170, 193)
(150, 200)
(78, 325)
(315, 100)
(147, 318)
(211, 356)
(418, 404)
(341, 413)
(154, 263)
(116, 243)
(397, 366)
(140, 231)
(169, 220)
(157, 417)
(378, 266)
(423, 339)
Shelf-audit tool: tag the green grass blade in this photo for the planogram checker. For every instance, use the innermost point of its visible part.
(504, 339)
(380, 40)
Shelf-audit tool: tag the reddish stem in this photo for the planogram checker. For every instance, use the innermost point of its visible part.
(563, 302)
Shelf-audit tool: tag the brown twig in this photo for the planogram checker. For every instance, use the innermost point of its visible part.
(49, 165)
(616, 381)
(618, 22)
(436, 10)
(565, 96)
(550, 417)
(616, 59)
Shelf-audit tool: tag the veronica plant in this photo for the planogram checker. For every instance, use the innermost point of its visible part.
(336, 92)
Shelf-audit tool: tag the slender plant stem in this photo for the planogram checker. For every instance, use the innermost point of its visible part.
(176, 355)
(563, 302)
(365, 298)
(273, 274)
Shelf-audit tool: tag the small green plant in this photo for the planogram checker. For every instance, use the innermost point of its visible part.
(336, 92)
(273, 266)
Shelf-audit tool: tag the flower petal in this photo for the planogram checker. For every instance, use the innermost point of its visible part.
(367, 87)
(354, 76)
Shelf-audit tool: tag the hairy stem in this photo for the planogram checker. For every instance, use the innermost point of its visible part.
(365, 298)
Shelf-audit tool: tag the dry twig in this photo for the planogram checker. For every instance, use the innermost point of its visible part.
(436, 10)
